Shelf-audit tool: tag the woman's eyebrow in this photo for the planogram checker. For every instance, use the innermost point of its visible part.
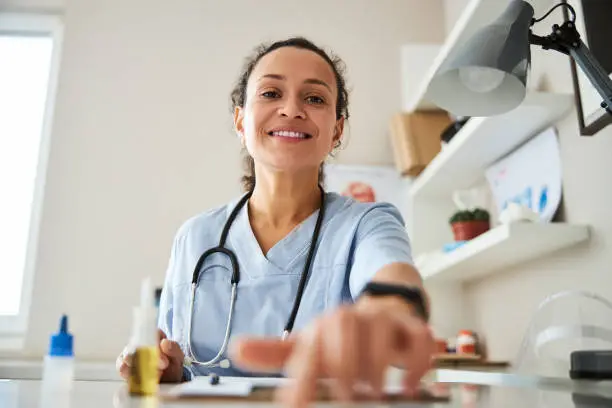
(306, 81)
(318, 82)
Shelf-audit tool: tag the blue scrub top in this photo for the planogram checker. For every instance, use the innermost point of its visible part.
(356, 240)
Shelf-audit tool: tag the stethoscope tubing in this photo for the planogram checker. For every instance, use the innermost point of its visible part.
(214, 362)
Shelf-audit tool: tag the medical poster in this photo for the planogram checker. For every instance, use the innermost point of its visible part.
(530, 176)
(369, 184)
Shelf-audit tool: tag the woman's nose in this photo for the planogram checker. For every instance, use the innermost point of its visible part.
(292, 109)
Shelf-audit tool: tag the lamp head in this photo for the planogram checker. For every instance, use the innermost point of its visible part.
(487, 75)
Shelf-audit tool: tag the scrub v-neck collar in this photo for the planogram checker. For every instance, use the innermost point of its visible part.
(281, 258)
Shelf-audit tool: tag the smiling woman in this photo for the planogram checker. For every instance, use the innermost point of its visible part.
(333, 85)
(316, 284)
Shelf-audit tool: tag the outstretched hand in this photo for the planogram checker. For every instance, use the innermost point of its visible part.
(352, 345)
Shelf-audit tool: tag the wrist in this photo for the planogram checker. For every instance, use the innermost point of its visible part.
(394, 297)
(389, 304)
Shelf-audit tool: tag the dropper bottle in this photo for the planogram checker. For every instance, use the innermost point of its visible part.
(144, 378)
(58, 370)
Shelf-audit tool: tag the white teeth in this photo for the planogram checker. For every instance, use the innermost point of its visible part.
(287, 133)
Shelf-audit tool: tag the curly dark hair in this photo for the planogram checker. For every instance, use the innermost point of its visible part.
(238, 95)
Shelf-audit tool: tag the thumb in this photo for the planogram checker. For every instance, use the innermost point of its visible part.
(161, 335)
(262, 354)
(171, 349)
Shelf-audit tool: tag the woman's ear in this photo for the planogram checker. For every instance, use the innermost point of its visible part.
(338, 130)
(239, 123)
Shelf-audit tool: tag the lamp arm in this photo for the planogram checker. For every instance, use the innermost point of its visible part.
(566, 39)
(594, 72)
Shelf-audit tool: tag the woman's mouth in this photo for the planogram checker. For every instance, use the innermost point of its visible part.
(289, 134)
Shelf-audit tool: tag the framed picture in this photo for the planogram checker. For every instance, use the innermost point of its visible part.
(370, 184)
(593, 24)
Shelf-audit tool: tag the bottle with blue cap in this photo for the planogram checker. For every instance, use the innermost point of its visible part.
(58, 371)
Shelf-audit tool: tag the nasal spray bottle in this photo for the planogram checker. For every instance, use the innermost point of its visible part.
(144, 377)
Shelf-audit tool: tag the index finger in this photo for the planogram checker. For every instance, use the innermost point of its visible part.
(122, 358)
(124, 372)
(303, 367)
(123, 364)
(262, 354)
(418, 357)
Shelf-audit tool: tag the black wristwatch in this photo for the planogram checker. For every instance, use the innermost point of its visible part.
(410, 294)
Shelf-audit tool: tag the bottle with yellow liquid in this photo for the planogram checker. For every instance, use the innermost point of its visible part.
(144, 353)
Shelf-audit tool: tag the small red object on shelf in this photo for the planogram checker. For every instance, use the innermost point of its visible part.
(466, 342)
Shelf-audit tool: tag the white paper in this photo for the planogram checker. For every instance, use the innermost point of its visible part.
(530, 176)
(200, 386)
(239, 386)
(227, 386)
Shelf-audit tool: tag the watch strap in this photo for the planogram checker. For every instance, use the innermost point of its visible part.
(411, 294)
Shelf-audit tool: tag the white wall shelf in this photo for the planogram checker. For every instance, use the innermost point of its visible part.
(502, 247)
(482, 141)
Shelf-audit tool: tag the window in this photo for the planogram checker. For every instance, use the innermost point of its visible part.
(29, 61)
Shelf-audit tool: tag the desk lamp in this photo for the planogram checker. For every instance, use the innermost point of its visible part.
(490, 70)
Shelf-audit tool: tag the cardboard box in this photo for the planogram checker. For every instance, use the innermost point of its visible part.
(416, 139)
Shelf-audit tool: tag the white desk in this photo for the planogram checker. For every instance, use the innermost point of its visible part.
(492, 391)
(32, 370)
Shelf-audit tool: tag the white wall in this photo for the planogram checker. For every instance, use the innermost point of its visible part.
(142, 135)
(452, 11)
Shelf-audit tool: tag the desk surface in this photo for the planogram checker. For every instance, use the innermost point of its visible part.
(468, 390)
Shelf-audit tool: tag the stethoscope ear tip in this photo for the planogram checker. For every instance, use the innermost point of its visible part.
(225, 363)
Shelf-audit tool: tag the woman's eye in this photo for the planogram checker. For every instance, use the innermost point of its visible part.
(270, 94)
(315, 99)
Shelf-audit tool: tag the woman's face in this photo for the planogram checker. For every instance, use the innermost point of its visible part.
(288, 123)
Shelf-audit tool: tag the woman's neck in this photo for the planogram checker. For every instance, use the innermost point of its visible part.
(282, 201)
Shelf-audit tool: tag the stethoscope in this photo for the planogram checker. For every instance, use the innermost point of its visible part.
(216, 361)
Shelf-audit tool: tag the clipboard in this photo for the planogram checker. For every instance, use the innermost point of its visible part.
(264, 390)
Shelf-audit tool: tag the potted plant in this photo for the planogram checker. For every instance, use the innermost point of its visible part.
(468, 224)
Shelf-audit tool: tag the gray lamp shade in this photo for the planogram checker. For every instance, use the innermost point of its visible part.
(487, 75)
